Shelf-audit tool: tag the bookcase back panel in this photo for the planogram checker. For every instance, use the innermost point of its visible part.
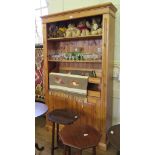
(86, 46)
(88, 112)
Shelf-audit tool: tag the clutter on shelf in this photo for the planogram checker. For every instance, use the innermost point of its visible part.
(74, 56)
(76, 28)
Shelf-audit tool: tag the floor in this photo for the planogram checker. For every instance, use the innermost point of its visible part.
(43, 138)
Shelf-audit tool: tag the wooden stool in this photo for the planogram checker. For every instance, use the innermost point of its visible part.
(114, 137)
(60, 116)
(79, 137)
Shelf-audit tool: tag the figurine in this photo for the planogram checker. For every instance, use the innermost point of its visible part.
(72, 31)
(82, 26)
(68, 31)
(99, 31)
(61, 32)
(78, 32)
(96, 28)
(56, 31)
(88, 25)
(52, 31)
(99, 22)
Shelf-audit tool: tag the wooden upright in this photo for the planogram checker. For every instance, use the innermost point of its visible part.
(98, 109)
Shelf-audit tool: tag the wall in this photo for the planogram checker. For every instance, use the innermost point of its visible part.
(63, 5)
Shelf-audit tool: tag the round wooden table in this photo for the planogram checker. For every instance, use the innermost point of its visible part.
(80, 137)
(40, 109)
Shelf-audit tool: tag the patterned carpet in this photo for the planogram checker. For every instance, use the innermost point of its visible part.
(43, 138)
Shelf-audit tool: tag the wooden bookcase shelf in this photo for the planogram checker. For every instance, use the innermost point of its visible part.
(98, 109)
(76, 61)
(76, 38)
(98, 71)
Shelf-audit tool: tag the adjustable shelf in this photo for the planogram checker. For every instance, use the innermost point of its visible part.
(91, 61)
(76, 38)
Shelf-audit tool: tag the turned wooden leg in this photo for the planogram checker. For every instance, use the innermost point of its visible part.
(57, 134)
(65, 149)
(53, 135)
(118, 152)
(94, 150)
(80, 152)
(69, 150)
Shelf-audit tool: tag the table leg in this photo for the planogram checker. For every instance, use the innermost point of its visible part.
(80, 152)
(69, 150)
(94, 150)
(53, 135)
(118, 152)
(57, 134)
(65, 149)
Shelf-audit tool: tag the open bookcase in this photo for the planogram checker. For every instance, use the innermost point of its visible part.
(89, 54)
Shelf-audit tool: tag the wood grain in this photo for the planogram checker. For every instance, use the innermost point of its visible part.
(97, 110)
(105, 8)
(76, 38)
